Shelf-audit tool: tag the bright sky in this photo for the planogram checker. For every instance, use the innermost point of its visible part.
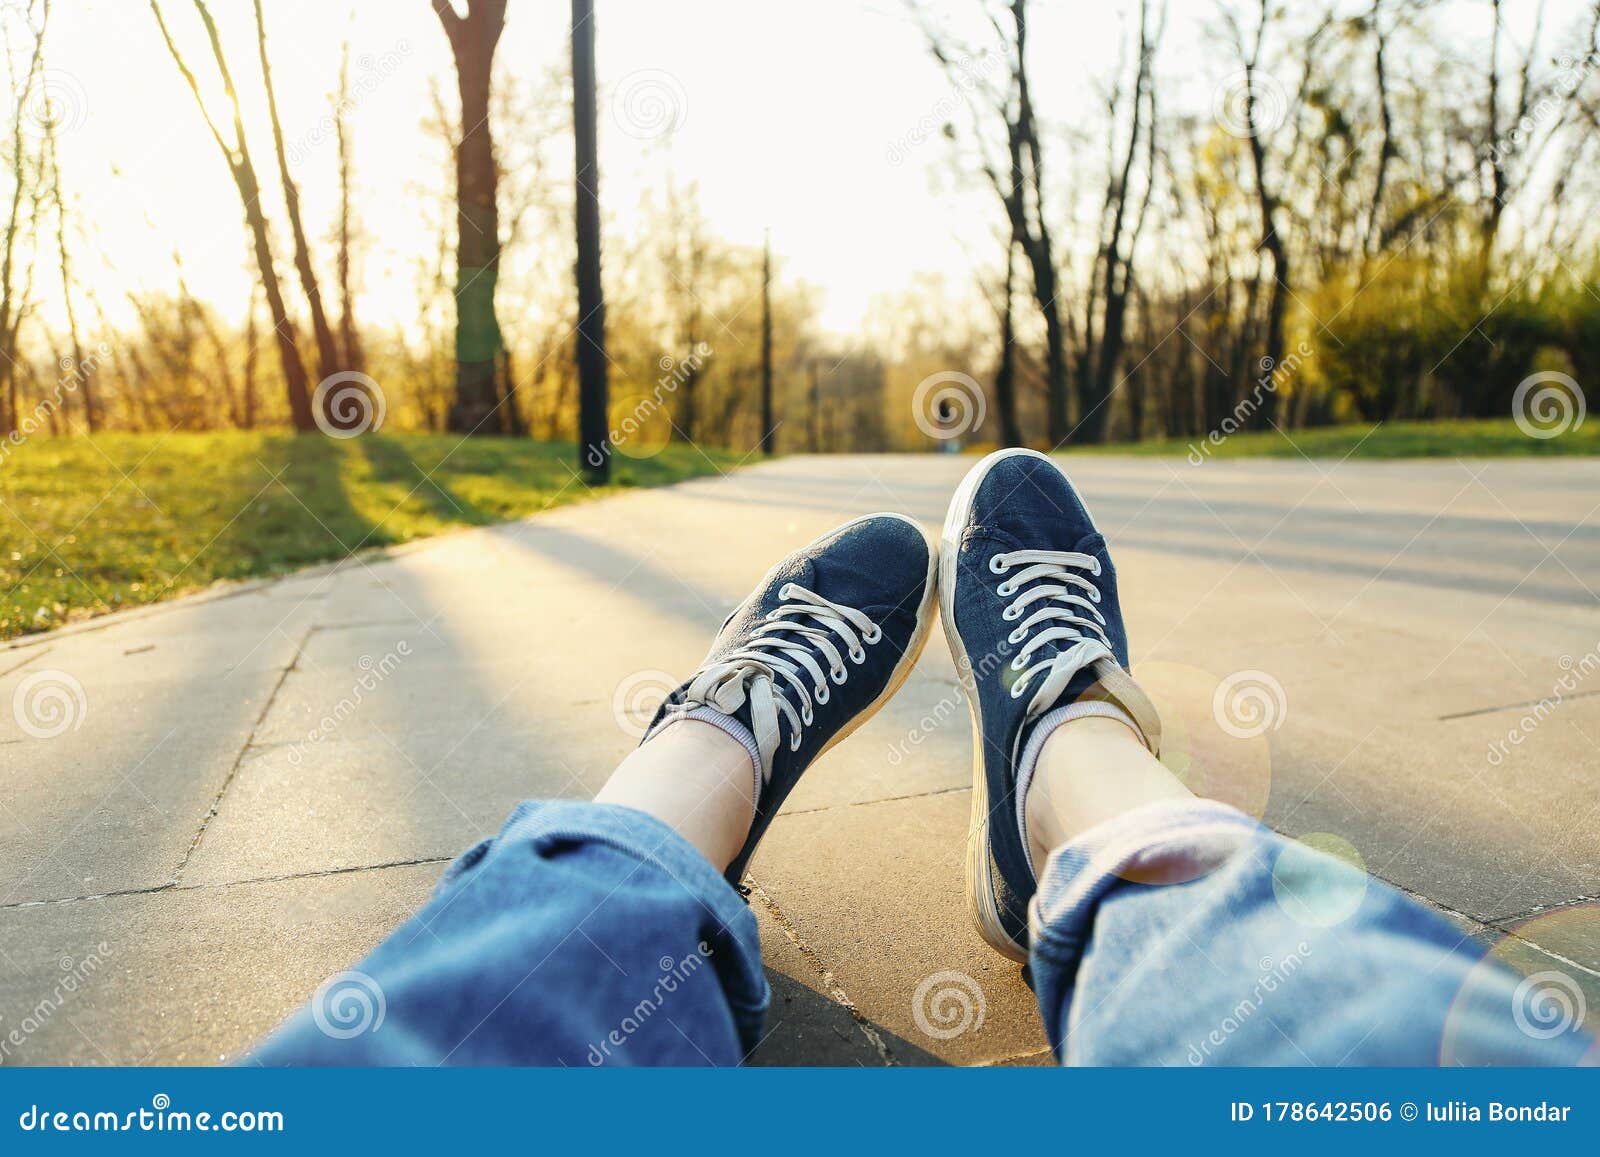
(806, 117)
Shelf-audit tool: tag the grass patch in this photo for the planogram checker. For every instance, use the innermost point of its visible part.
(89, 525)
(1464, 439)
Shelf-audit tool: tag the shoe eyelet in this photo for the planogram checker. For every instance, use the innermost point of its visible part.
(872, 636)
(820, 694)
(1004, 590)
(1015, 637)
(1016, 664)
(1095, 595)
(807, 717)
(839, 676)
(1015, 693)
(794, 744)
(1009, 617)
(858, 656)
(1097, 568)
(996, 566)
(785, 590)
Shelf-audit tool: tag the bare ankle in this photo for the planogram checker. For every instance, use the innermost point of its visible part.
(1090, 770)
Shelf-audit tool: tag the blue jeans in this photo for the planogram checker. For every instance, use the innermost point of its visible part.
(1181, 933)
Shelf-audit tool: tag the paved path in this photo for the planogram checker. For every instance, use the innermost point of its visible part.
(197, 850)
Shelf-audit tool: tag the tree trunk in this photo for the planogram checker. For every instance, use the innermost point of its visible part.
(252, 360)
(473, 38)
(351, 352)
(593, 388)
(243, 172)
(10, 308)
(1272, 243)
(768, 430)
(327, 351)
(1005, 378)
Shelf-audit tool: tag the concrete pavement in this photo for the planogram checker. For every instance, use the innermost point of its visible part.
(249, 788)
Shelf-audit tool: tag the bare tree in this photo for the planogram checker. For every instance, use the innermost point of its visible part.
(1501, 181)
(1019, 184)
(242, 169)
(83, 373)
(351, 353)
(474, 34)
(327, 351)
(1111, 279)
(768, 424)
(13, 300)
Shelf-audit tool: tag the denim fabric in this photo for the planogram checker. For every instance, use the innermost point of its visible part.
(1184, 933)
(584, 934)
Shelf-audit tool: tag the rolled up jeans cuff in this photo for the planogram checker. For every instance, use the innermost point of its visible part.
(1169, 841)
(544, 825)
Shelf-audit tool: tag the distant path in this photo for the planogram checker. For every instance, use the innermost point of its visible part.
(258, 786)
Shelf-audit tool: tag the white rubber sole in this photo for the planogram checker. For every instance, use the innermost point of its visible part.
(919, 637)
(980, 864)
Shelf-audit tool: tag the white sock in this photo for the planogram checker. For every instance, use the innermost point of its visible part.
(1029, 759)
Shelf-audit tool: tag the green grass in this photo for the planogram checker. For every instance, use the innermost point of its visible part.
(119, 520)
(1465, 439)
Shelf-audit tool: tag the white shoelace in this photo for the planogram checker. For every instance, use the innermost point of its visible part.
(786, 648)
(1056, 588)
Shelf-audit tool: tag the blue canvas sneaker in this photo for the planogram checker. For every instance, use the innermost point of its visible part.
(823, 642)
(1029, 601)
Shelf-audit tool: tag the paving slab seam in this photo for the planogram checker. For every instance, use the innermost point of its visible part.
(834, 992)
(1567, 960)
(1544, 909)
(238, 759)
(1499, 925)
(158, 889)
(1512, 706)
(828, 807)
